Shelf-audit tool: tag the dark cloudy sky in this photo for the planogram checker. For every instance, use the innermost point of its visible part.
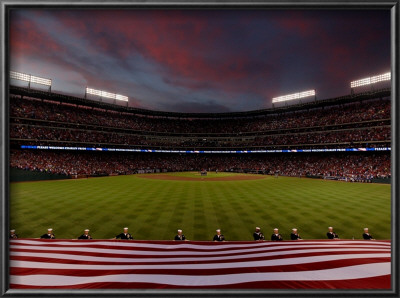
(201, 60)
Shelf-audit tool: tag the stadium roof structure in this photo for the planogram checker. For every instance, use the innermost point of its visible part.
(22, 91)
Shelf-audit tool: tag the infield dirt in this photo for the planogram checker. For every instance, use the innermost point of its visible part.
(181, 178)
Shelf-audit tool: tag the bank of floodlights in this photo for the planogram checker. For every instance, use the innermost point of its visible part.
(293, 96)
(370, 81)
(105, 94)
(30, 79)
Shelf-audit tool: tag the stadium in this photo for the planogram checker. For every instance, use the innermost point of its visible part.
(96, 164)
(275, 172)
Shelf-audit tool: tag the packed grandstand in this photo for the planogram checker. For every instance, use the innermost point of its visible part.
(41, 119)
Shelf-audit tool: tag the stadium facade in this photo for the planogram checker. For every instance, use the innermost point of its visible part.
(347, 137)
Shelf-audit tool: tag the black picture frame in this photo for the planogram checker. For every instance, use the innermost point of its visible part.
(5, 7)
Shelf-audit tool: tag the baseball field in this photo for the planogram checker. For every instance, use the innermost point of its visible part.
(154, 206)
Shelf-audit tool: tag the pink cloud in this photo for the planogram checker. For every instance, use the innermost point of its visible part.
(26, 38)
(184, 45)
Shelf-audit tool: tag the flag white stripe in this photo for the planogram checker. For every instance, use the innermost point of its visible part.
(265, 263)
(345, 273)
(171, 260)
(190, 253)
(138, 244)
(214, 246)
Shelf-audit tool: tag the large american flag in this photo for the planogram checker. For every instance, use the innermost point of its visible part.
(118, 264)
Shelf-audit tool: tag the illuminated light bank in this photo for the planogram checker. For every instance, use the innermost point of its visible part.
(30, 78)
(371, 80)
(294, 96)
(106, 94)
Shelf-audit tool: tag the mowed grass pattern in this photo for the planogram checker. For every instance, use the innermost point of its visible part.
(155, 209)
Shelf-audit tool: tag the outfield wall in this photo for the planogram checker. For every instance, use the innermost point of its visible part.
(18, 175)
(382, 180)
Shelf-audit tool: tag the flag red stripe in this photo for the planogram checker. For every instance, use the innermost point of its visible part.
(175, 256)
(283, 268)
(200, 246)
(153, 251)
(160, 260)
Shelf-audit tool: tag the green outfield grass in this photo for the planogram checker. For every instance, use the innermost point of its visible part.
(155, 209)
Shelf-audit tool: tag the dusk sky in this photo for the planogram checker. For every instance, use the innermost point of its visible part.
(200, 60)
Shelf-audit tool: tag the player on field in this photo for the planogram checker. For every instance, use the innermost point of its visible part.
(219, 236)
(276, 236)
(258, 236)
(331, 234)
(294, 235)
(367, 235)
(124, 236)
(85, 235)
(180, 236)
(13, 235)
(49, 234)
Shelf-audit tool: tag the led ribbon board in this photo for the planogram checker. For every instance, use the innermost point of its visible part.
(371, 80)
(106, 94)
(205, 151)
(29, 78)
(293, 96)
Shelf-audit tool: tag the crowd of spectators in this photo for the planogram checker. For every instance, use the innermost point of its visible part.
(43, 134)
(365, 124)
(51, 111)
(45, 123)
(351, 165)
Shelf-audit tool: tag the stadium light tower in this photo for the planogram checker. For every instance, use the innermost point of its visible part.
(30, 79)
(107, 95)
(294, 96)
(370, 81)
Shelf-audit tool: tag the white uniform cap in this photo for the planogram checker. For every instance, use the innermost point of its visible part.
(257, 228)
(125, 228)
(87, 230)
(50, 229)
(12, 231)
(218, 230)
(365, 229)
(330, 228)
(179, 231)
(275, 229)
(294, 229)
